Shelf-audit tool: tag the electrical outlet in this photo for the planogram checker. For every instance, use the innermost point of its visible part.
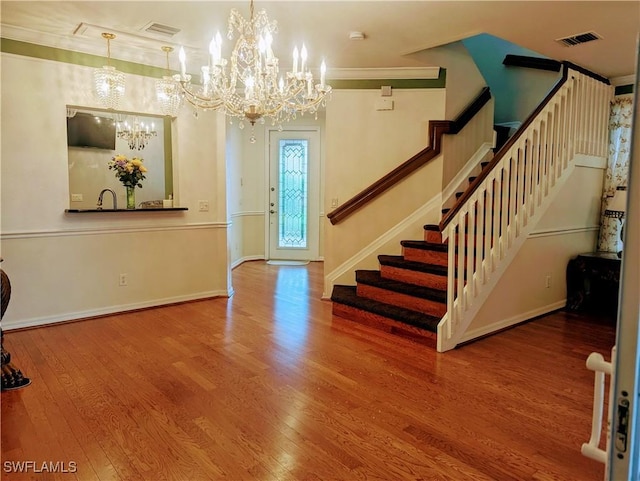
(203, 206)
(547, 281)
(123, 280)
(76, 198)
(334, 202)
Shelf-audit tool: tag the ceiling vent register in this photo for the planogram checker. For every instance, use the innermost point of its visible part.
(161, 29)
(579, 38)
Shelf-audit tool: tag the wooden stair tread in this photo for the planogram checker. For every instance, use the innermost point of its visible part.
(373, 278)
(428, 246)
(431, 227)
(400, 262)
(347, 295)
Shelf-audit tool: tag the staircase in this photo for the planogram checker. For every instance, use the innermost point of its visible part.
(407, 296)
(434, 289)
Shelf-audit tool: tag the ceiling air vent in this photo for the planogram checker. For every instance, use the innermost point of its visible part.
(160, 29)
(578, 39)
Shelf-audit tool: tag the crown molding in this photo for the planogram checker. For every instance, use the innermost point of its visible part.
(87, 40)
(427, 73)
(147, 51)
(624, 80)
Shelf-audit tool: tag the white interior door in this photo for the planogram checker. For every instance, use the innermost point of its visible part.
(293, 194)
(624, 444)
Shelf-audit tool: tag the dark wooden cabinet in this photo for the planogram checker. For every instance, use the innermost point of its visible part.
(593, 281)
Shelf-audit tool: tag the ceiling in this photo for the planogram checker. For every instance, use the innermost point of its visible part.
(393, 29)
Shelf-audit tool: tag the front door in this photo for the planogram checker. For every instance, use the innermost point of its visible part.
(294, 185)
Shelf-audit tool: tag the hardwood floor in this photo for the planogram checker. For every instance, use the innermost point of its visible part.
(267, 385)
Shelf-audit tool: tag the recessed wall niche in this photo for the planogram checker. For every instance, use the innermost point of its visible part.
(90, 152)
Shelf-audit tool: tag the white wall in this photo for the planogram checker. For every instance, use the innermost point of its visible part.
(362, 145)
(464, 80)
(354, 154)
(459, 148)
(568, 228)
(234, 201)
(66, 266)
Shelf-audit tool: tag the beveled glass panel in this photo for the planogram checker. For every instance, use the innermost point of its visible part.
(293, 193)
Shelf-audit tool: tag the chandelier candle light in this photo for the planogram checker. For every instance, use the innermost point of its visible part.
(248, 85)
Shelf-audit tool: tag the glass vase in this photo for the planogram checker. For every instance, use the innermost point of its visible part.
(131, 198)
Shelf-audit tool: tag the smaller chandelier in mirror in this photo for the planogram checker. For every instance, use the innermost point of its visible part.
(249, 85)
(169, 91)
(137, 134)
(108, 82)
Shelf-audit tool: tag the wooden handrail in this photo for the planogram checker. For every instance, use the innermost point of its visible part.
(514, 138)
(437, 128)
(527, 61)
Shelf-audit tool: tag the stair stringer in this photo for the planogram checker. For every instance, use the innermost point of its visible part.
(445, 342)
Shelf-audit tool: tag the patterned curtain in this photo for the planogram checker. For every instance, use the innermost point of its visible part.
(617, 168)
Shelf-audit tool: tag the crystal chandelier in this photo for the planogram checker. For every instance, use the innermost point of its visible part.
(108, 82)
(137, 134)
(169, 91)
(248, 86)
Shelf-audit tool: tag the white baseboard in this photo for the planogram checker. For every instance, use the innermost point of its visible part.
(79, 315)
(511, 321)
(242, 260)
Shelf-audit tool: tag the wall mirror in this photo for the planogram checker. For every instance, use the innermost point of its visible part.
(95, 136)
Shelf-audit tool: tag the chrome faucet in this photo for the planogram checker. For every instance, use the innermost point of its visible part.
(113, 194)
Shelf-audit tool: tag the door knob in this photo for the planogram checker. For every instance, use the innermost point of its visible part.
(272, 211)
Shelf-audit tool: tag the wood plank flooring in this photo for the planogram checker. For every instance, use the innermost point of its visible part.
(267, 385)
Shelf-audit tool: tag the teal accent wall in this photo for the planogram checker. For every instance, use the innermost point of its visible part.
(517, 91)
